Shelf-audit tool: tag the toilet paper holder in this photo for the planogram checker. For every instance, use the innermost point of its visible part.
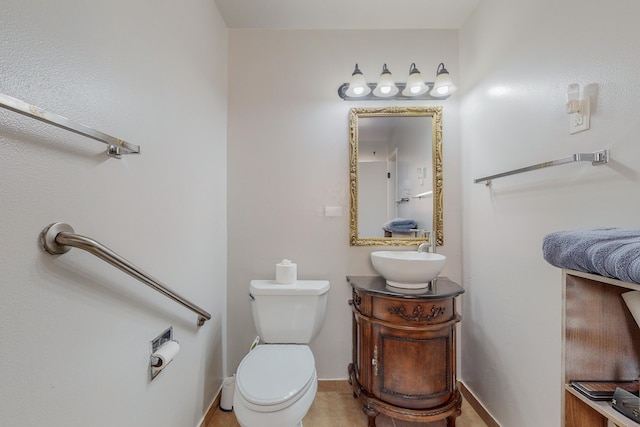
(163, 348)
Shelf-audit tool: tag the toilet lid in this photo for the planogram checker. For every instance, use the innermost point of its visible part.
(275, 373)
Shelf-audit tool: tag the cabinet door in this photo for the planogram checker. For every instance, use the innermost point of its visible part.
(362, 350)
(412, 368)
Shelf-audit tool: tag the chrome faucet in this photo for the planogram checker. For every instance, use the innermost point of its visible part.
(430, 245)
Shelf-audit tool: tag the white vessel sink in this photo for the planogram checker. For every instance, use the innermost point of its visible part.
(408, 269)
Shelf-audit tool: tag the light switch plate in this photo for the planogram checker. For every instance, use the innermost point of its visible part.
(333, 210)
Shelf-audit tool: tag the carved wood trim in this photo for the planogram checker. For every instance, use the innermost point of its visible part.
(357, 300)
(418, 314)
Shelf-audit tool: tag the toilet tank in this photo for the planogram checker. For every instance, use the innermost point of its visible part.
(288, 314)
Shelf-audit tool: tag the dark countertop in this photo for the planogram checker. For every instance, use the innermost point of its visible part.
(441, 287)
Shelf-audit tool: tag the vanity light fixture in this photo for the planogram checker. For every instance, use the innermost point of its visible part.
(386, 87)
(358, 85)
(443, 85)
(415, 84)
(415, 88)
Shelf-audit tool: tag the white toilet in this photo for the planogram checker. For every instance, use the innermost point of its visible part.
(277, 381)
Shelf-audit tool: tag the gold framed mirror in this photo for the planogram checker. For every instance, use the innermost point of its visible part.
(395, 176)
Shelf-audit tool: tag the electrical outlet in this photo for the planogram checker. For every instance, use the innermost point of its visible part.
(579, 122)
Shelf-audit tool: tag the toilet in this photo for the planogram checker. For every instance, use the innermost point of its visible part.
(277, 381)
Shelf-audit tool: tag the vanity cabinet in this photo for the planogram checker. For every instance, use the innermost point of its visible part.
(601, 342)
(404, 350)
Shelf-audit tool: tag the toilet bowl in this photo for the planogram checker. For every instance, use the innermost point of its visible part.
(275, 386)
(277, 381)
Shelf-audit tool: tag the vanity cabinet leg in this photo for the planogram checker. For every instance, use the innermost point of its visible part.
(372, 421)
(372, 414)
(451, 420)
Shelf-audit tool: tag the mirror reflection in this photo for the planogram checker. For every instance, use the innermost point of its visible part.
(396, 175)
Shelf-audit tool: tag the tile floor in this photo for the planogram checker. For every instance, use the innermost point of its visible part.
(334, 406)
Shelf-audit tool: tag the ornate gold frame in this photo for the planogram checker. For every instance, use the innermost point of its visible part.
(438, 220)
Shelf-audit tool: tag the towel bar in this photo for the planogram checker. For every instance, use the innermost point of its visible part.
(425, 194)
(596, 158)
(115, 147)
(58, 238)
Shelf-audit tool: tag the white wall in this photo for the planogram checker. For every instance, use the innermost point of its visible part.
(74, 330)
(516, 59)
(289, 157)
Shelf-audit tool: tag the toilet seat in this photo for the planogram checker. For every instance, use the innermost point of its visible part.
(274, 376)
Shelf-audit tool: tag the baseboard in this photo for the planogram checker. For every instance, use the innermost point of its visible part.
(477, 406)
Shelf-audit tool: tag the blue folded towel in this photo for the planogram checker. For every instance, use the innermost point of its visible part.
(609, 252)
(400, 225)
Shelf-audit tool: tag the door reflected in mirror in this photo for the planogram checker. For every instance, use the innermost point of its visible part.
(396, 175)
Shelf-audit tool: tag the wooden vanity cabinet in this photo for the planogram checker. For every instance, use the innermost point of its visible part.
(404, 350)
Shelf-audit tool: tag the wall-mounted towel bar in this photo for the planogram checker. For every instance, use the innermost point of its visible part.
(58, 238)
(425, 194)
(596, 158)
(115, 147)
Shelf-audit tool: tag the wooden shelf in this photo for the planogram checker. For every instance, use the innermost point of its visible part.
(604, 408)
(602, 279)
(601, 342)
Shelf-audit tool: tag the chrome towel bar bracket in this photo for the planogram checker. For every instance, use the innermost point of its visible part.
(59, 238)
(115, 147)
